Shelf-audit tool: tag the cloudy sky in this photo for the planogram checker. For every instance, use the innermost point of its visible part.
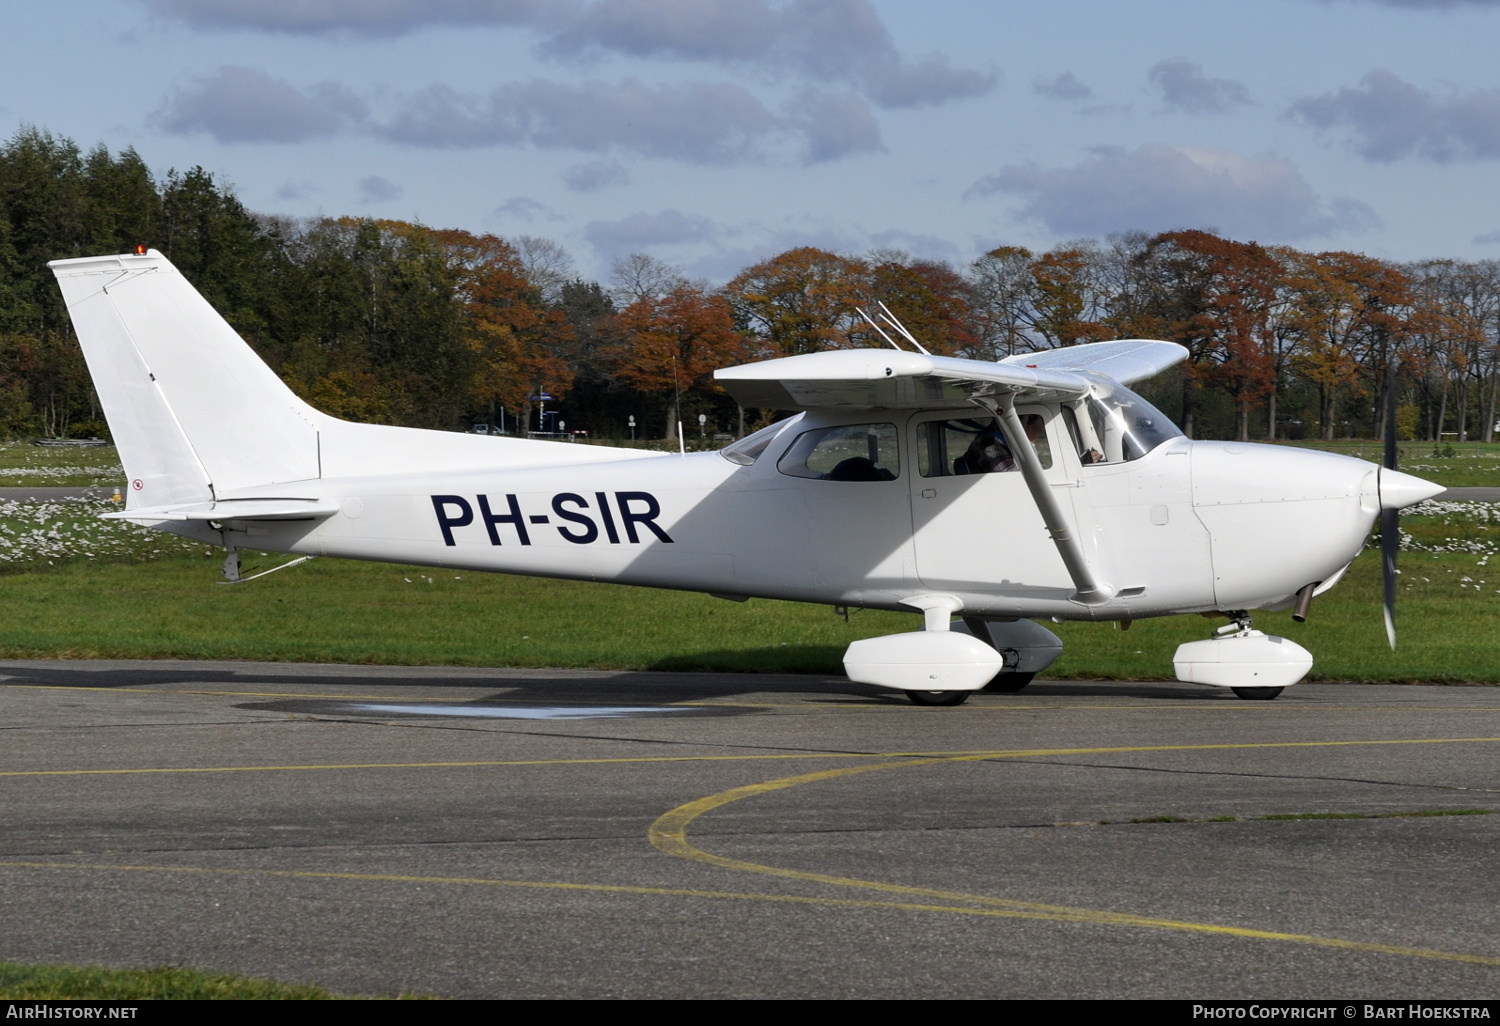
(712, 133)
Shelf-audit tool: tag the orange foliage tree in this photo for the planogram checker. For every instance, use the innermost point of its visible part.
(801, 301)
(675, 341)
(1213, 296)
(1351, 311)
(930, 298)
(516, 340)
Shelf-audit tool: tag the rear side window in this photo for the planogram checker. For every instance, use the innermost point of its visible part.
(849, 452)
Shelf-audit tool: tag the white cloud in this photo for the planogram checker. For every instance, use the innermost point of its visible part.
(834, 41)
(840, 42)
(296, 190)
(834, 125)
(698, 122)
(694, 122)
(1064, 87)
(1159, 188)
(375, 189)
(1184, 87)
(640, 232)
(524, 208)
(1390, 118)
(237, 104)
(358, 17)
(594, 175)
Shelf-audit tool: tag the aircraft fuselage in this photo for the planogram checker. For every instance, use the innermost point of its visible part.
(1188, 526)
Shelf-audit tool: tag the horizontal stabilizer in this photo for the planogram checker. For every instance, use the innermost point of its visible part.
(233, 509)
(1127, 360)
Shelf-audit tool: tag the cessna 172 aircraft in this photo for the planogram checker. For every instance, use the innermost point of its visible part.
(888, 490)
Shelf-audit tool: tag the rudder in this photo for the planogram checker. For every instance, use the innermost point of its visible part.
(195, 413)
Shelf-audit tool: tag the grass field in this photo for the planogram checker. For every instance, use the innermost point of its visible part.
(76, 983)
(22, 464)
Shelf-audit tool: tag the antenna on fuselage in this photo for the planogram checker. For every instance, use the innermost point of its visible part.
(881, 330)
(890, 319)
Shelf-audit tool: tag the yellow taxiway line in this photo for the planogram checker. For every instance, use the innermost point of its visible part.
(669, 834)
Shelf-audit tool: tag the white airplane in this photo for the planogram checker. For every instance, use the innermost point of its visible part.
(888, 490)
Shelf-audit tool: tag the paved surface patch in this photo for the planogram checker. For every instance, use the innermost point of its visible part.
(553, 833)
(1470, 495)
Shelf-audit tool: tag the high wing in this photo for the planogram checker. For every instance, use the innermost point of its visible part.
(1127, 360)
(894, 379)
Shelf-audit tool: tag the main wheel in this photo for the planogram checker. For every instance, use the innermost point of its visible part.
(938, 697)
(1009, 681)
(1257, 694)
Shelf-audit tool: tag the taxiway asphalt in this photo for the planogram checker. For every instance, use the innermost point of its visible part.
(504, 833)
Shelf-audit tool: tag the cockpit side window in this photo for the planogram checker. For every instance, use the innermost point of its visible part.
(975, 445)
(849, 452)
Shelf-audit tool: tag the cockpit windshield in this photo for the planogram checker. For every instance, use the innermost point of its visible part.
(748, 449)
(1114, 425)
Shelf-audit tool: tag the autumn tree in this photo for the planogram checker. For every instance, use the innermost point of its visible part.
(1352, 312)
(673, 343)
(1456, 335)
(1001, 289)
(639, 276)
(1067, 305)
(519, 342)
(928, 297)
(1213, 296)
(802, 301)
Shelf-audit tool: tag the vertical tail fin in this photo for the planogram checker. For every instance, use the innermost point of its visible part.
(194, 412)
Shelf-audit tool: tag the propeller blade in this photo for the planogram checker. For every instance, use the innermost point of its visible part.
(1390, 519)
(1390, 542)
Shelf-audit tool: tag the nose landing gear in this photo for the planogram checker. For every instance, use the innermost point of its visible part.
(939, 697)
(1255, 666)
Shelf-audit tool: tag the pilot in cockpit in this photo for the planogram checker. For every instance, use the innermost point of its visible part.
(989, 453)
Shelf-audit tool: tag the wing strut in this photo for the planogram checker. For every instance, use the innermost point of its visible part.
(1089, 589)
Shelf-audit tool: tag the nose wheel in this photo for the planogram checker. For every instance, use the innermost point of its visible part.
(1256, 694)
(939, 697)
